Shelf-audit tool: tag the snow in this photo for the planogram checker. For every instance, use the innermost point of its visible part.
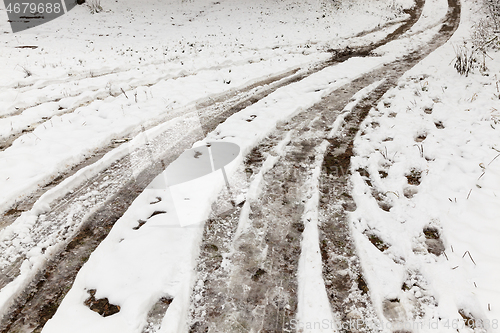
(95, 78)
(314, 306)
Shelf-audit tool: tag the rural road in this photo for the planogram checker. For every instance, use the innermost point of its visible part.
(304, 153)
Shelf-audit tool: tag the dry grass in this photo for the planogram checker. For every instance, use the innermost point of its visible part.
(94, 6)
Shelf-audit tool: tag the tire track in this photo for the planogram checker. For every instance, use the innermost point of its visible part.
(70, 234)
(99, 93)
(259, 290)
(114, 80)
(253, 275)
(52, 85)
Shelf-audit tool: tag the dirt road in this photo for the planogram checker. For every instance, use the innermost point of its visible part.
(265, 253)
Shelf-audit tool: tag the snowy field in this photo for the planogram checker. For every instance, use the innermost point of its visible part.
(425, 175)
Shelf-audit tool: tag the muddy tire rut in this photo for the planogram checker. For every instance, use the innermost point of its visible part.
(251, 281)
(260, 289)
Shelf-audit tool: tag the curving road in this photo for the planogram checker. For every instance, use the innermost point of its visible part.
(307, 152)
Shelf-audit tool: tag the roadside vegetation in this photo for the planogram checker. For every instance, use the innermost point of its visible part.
(484, 36)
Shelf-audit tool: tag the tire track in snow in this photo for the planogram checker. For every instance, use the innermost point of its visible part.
(116, 79)
(219, 232)
(262, 253)
(264, 249)
(257, 284)
(52, 93)
(68, 234)
(250, 281)
(84, 96)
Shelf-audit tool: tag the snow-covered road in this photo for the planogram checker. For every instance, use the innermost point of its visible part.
(275, 253)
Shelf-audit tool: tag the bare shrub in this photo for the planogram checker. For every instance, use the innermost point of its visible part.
(465, 59)
(484, 36)
(493, 11)
(94, 6)
(486, 33)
